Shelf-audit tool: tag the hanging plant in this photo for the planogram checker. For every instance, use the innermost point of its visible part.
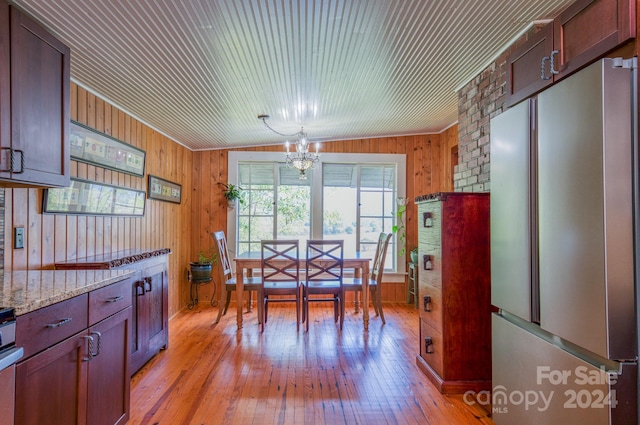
(233, 193)
(399, 227)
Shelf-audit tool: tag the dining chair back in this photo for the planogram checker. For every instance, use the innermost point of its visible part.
(229, 283)
(324, 274)
(375, 276)
(280, 275)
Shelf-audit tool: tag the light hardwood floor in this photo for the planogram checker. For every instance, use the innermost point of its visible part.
(213, 374)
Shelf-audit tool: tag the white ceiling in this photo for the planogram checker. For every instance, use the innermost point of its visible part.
(200, 71)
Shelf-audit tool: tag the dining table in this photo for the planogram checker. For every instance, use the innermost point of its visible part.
(249, 261)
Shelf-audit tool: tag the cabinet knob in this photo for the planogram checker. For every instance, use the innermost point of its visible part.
(428, 345)
(59, 323)
(543, 75)
(428, 262)
(427, 302)
(552, 62)
(427, 219)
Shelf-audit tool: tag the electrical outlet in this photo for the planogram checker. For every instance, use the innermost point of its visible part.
(18, 237)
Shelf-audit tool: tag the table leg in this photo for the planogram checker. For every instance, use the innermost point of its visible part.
(239, 293)
(365, 295)
(356, 303)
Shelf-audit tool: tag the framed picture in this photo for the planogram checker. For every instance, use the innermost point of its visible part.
(91, 146)
(164, 190)
(92, 198)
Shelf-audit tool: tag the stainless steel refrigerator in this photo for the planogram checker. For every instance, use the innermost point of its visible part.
(563, 262)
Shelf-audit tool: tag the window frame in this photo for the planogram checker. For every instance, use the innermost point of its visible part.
(399, 160)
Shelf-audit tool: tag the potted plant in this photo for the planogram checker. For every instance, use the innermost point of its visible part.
(233, 193)
(201, 269)
(413, 255)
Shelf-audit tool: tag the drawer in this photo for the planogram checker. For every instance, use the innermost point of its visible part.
(109, 300)
(434, 316)
(435, 357)
(431, 215)
(47, 326)
(433, 276)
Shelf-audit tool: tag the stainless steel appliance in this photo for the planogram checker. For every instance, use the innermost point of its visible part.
(563, 176)
(9, 355)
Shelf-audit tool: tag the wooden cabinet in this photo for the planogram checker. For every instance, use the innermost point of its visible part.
(454, 291)
(34, 103)
(82, 378)
(581, 34)
(149, 292)
(151, 322)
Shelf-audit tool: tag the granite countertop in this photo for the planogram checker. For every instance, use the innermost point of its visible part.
(30, 290)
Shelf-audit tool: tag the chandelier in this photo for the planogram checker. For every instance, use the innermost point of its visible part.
(299, 158)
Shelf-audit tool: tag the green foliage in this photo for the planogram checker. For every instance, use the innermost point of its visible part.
(208, 256)
(399, 228)
(233, 192)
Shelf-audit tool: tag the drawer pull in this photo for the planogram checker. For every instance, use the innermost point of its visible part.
(98, 345)
(114, 299)
(428, 263)
(139, 288)
(427, 302)
(428, 345)
(147, 280)
(427, 219)
(59, 323)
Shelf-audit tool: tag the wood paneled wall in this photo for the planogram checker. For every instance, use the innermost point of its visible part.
(184, 228)
(428, 157)
(52, 238)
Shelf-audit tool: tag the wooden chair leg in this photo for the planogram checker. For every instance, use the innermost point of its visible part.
(342, 310)
(378, 301)
(249, 302)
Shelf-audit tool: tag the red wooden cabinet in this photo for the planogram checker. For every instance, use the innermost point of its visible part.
(34, 103)
(83, 378)
(149, 292)
(455, 291)
(584, 32)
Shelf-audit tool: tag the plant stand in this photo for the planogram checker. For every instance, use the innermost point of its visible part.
(193, 291)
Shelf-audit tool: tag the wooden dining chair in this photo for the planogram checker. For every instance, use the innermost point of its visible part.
(375, 276)
(325, 261)
(280, 275)
(229, 283)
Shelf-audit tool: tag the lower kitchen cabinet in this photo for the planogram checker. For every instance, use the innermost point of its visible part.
(149, 291)
(85, 378)
(150, 323)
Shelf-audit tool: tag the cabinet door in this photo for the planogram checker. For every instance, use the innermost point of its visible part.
(524, 66)
(139, 336)
(51, 386)
(588, 29)
(151, 314)
(40, 80)
(157, 319)
(108, 371)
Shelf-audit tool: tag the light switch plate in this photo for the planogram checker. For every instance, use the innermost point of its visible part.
(18, 237)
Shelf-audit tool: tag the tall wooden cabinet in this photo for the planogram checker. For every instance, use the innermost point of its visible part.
(581, 34)
(150, 297)
(34, 103)
(454, 290)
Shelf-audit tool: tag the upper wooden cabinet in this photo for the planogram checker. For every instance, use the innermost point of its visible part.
(582, 33)
(34, 103)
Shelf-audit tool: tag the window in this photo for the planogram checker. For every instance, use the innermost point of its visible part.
(277, 205)
(349, 196)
